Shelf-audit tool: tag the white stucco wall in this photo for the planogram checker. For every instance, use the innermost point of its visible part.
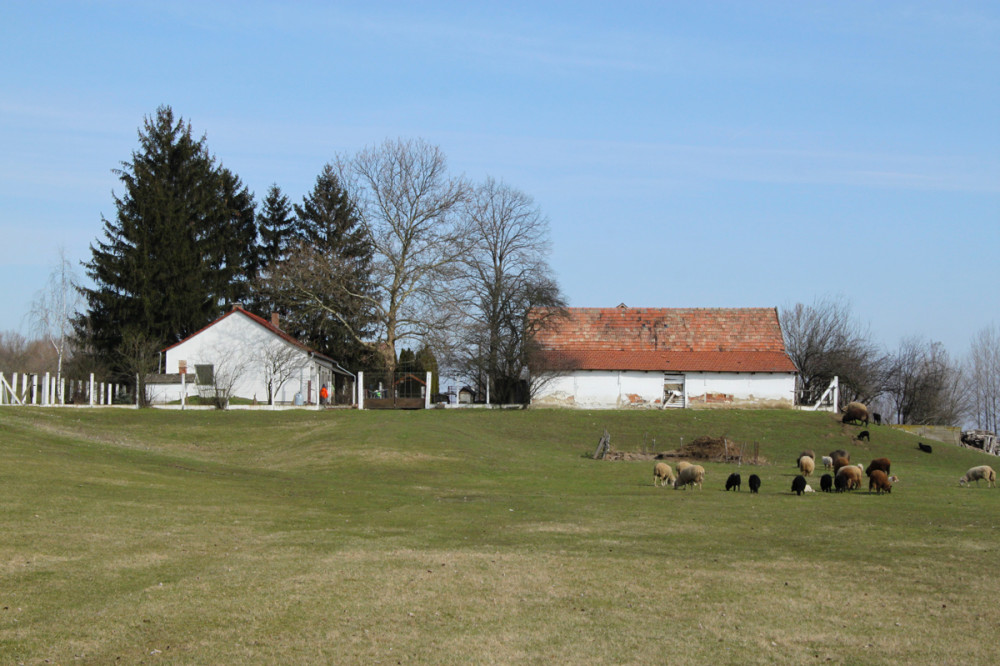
(604, 389)
(237, 348)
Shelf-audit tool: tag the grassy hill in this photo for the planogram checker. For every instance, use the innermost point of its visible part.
(477, 537)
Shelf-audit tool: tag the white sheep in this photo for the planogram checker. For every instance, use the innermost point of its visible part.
(981, 472)
(806, 465)
(681, 465)
(662, 474)
(808, 489)
(693, 475)
(827, 462)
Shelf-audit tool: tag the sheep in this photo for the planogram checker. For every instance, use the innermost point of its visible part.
(838, 463)
(827, 462)
(799, 484)
(878, 464)
(840, 483)
(754, 482)
(808, 489)
(876, 418)
(926, 448)
(864, 435)
(879, 481)
(681, 465)
(733, 482)
(855, 411)
(852, 475)
(662, 474)
(981, 472)
(840, 453)
(806, 465)
(807, 453)
(826, 483)
(693, 475)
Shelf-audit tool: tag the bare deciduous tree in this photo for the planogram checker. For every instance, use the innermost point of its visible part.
(279, 361)
(983, 375)
(136, 358)
(53, 310)
(923, 385)
(506, 274)
(825, 340)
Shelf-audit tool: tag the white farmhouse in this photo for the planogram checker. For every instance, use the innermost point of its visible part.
(662, 357)
(241, 355)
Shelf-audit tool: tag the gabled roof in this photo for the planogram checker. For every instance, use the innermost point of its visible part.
(665, 339)
(260, 321)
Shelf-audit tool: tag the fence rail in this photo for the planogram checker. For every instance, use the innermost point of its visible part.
(25, 388)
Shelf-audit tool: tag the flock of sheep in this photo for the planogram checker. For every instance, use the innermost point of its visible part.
(845, 475)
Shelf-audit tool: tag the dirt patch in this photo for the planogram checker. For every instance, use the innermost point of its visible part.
(711, 449)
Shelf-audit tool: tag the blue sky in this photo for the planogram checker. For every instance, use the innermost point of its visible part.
(686, 154)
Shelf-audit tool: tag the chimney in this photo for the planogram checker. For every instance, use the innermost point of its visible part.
(274, 320)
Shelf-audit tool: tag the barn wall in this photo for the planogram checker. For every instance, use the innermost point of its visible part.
(740, 389)
(604, 389)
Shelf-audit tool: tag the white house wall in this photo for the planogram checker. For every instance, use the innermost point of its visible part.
(603, 389)
(235, 345)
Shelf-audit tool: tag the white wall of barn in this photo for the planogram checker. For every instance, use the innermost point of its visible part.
(238, 347)
(608, 389)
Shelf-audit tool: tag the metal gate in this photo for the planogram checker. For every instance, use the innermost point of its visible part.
(399, 390)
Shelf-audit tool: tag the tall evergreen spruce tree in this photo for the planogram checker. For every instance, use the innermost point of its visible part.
(276, 226)
(327, 225)
(179, 249)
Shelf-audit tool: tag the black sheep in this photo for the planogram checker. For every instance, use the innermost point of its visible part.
(733, 482)
(876, 418)
(826, 483)
(864, 435)
(754, 483)
(799, 484)
(840, 483)
(926, 448)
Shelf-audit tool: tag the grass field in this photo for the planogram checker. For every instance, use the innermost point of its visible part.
(455, 537)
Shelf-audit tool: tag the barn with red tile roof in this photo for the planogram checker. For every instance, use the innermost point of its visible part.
(663, 357)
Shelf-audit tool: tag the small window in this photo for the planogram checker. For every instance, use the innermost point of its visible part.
(205, 374)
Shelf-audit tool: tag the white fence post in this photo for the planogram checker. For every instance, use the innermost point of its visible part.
(361, 389)
(91, 392)
(184, 390)
(47, 391)
(427, 392)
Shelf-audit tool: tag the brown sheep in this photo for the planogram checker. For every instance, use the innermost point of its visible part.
(806, 465)
(880, 464)
(839, 462)
(852, 474)
(879, 481)
(662, 474)
(840, 453)
(855, 411)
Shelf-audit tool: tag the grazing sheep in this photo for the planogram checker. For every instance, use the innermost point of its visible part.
(662, 474)
(855, 411)
(838, 463)
(878, 464)
(926, 448)
(981, 472)
(876, 418)
(799, 484)
(806, 465)
(826, 483)
(864, 435)
(852, 474)
(879, 481)
(681, 465)
(754, 482)
(808, 489)
(827, 462)
(807, 453)
(840, 483)
(840, 453)
(693, 475)
(733, 482)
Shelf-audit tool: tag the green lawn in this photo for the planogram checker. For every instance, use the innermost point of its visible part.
(456, 537)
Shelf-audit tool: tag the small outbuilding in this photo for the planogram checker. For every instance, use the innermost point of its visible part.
(242, 355)
(662, 357)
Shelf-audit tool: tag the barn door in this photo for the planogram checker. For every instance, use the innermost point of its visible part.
(673, 390)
